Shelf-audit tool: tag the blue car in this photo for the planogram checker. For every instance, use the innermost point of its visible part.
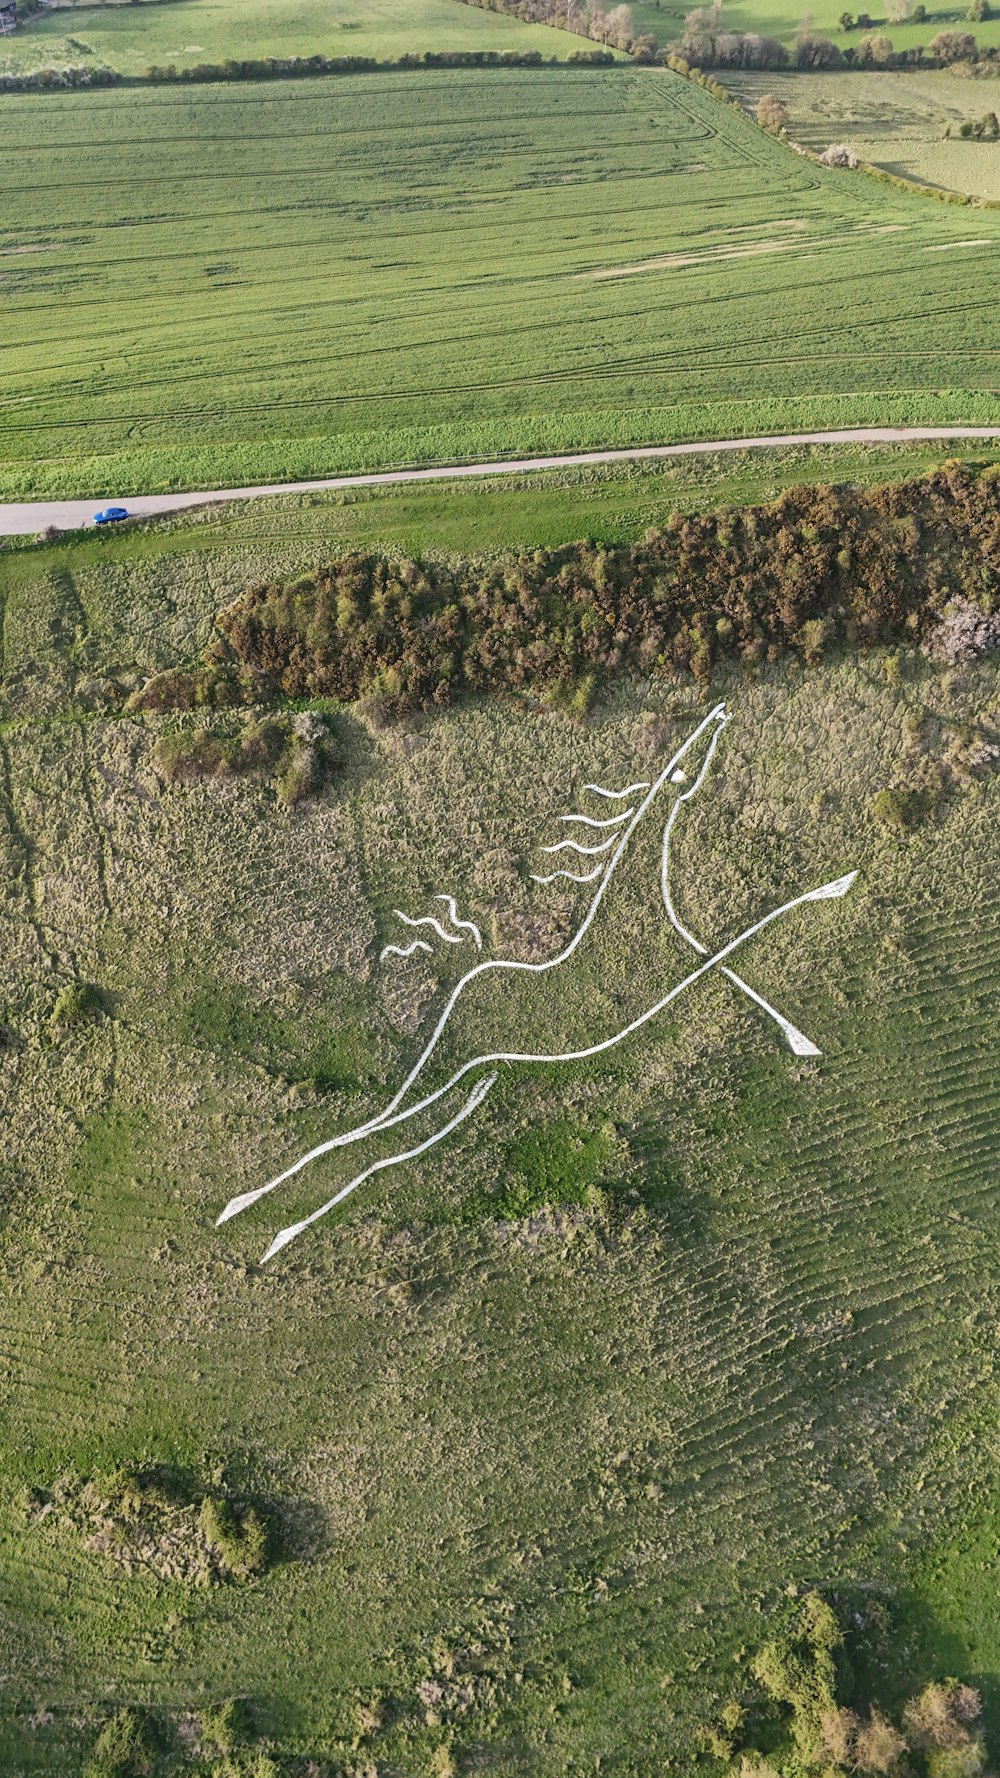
(110, 514)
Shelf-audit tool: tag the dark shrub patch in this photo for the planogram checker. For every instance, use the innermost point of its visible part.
(818, 568)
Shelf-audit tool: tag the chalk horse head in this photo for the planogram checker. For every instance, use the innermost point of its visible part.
(597, 848)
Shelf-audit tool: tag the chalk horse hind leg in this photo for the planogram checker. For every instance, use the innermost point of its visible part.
(472, 1103)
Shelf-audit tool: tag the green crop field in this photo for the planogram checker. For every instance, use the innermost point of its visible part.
(215, 286)
(182, 33)
(894, 121)
(536, 1478)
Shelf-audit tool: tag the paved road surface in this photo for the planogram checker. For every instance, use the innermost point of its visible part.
(25, 519)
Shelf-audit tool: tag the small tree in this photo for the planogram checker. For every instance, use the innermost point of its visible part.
(771, 112)
(120, 1750)
(942, 1715)
(839, 155)
(874, 51)
(838, 1728)
(953, 46)
(619, 29)
(878, 1746)
(813, 51)
(846, 21)
(979, 11)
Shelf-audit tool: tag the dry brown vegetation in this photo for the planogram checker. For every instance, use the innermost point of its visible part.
(817, 568)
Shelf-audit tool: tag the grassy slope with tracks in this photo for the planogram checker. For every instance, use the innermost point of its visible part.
(762, 1340)
(235, 284)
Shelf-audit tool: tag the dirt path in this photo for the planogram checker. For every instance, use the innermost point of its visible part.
(27, 517)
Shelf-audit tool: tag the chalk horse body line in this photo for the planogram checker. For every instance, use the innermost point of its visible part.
(623, 826)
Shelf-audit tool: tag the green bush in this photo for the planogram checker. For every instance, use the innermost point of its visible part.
(190, 756)
(224, 1727)
(194, 688)
(239, 1541)
(120, 1750)
(901, 809)
(298, 753)
(75, 1004)
(554, 1165)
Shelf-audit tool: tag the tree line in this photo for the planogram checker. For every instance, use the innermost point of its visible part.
(612, 29)
(291, 67)
(818, 569)
(705, 42)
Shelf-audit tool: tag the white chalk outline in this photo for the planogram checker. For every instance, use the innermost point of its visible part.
(391, 1115)
(468, 925)
(612, 821)
(570, 876)
(799, 1044)
(584, 851)
(475, 1099)
(429, 920)
(418, 944)
(617, 795)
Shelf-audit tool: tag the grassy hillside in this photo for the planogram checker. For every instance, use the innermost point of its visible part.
(183, 33)
(234, 284)
(895, 123)
(544, 1425)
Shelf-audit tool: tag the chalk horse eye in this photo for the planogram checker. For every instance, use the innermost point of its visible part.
(678, 777)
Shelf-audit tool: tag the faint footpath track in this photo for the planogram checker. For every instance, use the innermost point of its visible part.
(23, 518)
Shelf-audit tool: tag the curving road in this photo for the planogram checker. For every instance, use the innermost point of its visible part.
(25, 518)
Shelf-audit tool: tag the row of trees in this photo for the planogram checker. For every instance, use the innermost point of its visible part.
(614, 29)
(293, 67)
(978, 129)
(302, 67)
(904, 12)
(819, 567)
(706, 43)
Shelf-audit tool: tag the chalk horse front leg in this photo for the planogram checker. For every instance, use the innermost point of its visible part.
(798, 1042)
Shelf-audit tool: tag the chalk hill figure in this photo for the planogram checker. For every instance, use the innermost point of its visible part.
(493, 1017)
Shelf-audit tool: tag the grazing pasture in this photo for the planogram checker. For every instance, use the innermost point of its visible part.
(545, 1426)
(783, 18)
(232, 284)
(894, 121)
(182, 33)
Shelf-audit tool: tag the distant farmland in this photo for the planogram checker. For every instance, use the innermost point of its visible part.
(222, 284)
(131, 37)
(895, 124)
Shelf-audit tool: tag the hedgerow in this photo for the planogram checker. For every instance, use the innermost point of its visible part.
(293, 68)
(817, 568)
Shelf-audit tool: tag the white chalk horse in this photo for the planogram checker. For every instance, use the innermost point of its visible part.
(616, 836)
